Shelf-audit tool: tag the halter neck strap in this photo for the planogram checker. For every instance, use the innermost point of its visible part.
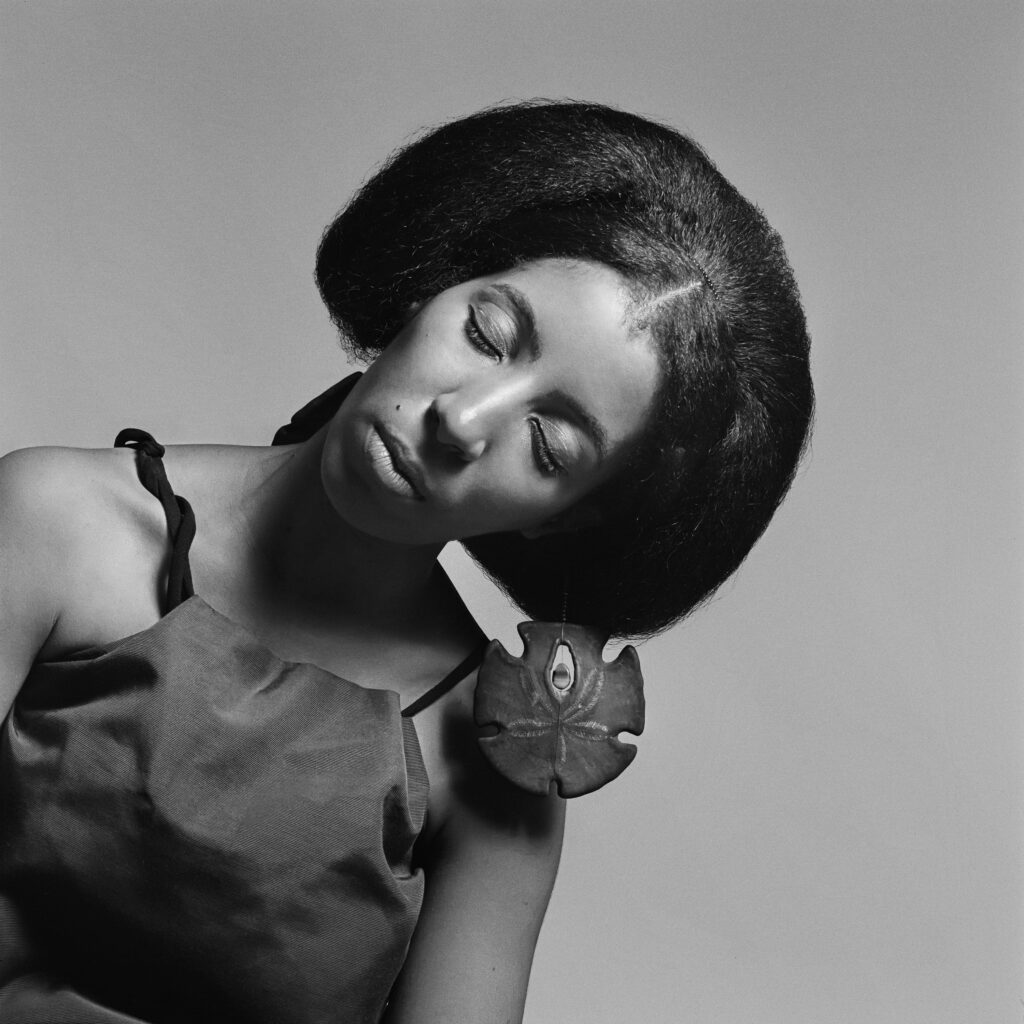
(315, 413)
(454, 677)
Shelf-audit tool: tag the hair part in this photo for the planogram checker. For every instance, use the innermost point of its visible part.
(708, 279)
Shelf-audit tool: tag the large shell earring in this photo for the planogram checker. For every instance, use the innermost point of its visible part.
(559, 708)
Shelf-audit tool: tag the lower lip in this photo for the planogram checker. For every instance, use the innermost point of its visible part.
(383, 468)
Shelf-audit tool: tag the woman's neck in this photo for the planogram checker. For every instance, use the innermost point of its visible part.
(296, 548)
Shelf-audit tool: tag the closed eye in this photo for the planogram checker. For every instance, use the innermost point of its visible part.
(546, 462)
(478, 339)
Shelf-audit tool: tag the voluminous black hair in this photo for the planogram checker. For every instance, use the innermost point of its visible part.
(708, 278)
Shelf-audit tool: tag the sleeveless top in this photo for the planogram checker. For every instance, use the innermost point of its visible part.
(193, 830)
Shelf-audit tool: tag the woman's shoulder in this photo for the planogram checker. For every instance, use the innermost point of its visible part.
(78, 496)
(73, 521)
(476, 807)
(60, 490)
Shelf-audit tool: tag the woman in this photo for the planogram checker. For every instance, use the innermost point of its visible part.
(588, 363)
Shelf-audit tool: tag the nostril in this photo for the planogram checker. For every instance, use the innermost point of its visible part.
(445, 442)
(433, 419)
(444, 436)
(440, 423)
(456, 428)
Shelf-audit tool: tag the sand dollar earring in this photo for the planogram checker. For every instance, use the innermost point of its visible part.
(559, 708)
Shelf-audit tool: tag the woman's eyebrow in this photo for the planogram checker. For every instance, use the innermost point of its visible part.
(587, 423)
(523, 313)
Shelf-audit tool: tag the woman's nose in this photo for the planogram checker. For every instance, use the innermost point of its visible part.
(458, 428)
(468, 419)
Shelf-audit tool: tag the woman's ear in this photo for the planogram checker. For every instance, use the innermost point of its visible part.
(579, 517)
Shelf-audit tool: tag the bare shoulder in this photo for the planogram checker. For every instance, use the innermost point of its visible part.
(72, 521)
(31, 476)
(70, 494)
(484, 809)
(44, 492)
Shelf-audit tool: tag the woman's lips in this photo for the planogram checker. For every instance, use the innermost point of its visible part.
(394, 464)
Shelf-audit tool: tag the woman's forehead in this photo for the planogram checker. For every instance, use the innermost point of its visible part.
(580, 313)
(589, 292)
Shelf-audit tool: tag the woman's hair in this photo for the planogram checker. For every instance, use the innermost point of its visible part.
(708, 278)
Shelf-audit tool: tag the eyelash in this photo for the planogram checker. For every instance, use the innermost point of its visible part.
(548, 464)
(477, 339)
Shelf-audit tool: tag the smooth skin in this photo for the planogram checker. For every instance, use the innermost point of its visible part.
(500, 404)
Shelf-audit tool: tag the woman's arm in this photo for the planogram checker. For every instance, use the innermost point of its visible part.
(34, 542)
(490, 872)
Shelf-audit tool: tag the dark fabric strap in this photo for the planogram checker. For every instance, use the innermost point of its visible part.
(454, 677)
(314, 414)
(181, 520)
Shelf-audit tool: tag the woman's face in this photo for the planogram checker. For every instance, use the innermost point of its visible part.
(500, 404)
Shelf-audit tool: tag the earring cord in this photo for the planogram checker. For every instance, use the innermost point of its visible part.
(565, 602)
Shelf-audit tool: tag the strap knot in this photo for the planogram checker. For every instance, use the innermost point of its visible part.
(133, 437)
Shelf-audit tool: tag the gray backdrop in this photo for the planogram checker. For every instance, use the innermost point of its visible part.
(824, 821)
